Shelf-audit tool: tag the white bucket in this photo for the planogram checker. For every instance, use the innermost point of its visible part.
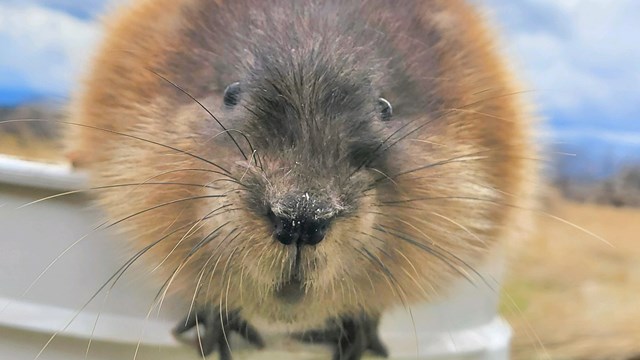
(463, 326)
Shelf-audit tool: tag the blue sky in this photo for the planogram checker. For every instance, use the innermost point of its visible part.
(44, 49)
(579, 58)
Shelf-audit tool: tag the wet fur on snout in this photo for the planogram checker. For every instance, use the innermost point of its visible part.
(417, 201)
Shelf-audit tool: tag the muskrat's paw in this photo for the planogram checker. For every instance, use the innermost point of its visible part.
(351, 336)
(213, 329)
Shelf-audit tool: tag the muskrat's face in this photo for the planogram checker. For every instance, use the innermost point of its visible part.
(318, 209)
(301, 203)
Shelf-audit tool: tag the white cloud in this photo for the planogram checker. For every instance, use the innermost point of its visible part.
(581, 55)
(613, 137)
(45, 49)
(78, 8)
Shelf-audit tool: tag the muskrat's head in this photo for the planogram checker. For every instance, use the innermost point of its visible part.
(307, 167)
(315, 134)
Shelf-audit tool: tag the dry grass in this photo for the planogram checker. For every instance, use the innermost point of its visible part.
(576, 295)
(31, 149)
(37, 138)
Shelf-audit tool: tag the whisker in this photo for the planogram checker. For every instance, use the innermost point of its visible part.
(93, 328)
(455, 257)
(415, 281)
(257, 116)
(224, 272)
(387, 177)
(226, 242)
(446, 112)
(465, 229)
(480, 276)
(207, 239)
(203, 108)
(72, 192)
(172, 202)
(531, 332)
(229, 177)
(194, 170)
(430, 142)
(197, 290)
(159, 301)
(468, 266)
(242, 267)
(554, 217)
(427, 249)
(373, 155)
(400, 291)
(391, 279)
(499, 96)
(475, 112)
(99, 227)
(125, 135)
(52, 263)
(477, 273)
(115, 276)
(201, 275)
(397, 203)
(199, 337)
(461, 158)
(162, 292)
(124, 269)
(405, 136)
(187, 234)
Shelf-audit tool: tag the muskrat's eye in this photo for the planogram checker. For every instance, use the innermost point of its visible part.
(385, 109)
(232, 94)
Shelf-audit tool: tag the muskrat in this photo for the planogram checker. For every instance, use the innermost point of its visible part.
(306, 163)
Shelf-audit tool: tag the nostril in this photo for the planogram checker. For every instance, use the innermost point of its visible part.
(300, 230)
(315, 232)
(282, 228)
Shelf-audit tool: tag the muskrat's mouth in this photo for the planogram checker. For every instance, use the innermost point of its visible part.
(292, 290)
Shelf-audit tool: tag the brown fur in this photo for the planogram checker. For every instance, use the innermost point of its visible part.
(480, 132)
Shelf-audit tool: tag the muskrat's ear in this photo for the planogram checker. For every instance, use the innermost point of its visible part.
(386, 110)
(232, 94)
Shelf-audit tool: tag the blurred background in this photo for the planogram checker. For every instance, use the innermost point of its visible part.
(571, 295)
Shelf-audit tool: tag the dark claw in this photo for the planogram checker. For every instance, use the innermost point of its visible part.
(214, 331)
(351, 336)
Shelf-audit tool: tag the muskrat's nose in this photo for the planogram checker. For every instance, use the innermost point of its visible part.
(301, 230)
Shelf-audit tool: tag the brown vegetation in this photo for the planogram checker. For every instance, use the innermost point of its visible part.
(620, 190)
(24, 135)
(571, 295)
